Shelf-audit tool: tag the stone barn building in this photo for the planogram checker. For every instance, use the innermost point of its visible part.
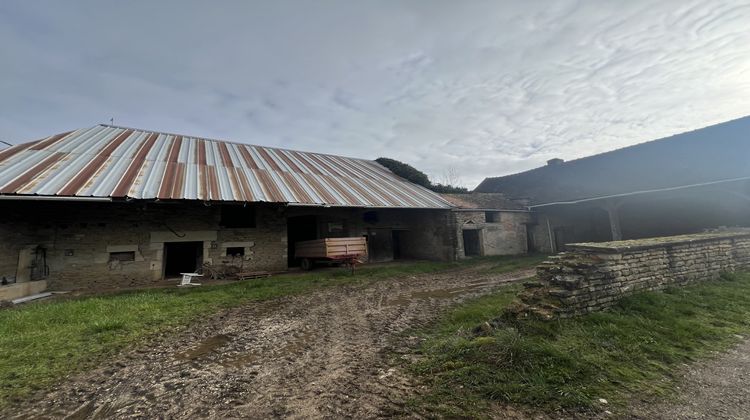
(488, 224)
(677, 185)
(107, 207)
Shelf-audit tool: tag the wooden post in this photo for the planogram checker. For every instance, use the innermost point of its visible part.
(551, 237)
(25, 260)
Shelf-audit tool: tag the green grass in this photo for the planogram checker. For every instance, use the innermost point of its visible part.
(41, 343)
(633, 349)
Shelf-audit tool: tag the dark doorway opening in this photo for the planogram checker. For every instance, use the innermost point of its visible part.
(299, 228)
(182, 257)
(39, 268)
(397, 244)
(531, 245)
(379, 245)
(471, 242)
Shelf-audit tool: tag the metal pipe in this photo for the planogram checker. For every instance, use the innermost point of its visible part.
(498, 210)
(681, 187)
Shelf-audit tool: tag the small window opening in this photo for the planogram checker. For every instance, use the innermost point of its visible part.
(126, 256)
(336, 228)
(237, 217)
(492, 216)
(235, 251)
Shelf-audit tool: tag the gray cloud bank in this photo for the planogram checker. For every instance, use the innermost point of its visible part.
(488, 88)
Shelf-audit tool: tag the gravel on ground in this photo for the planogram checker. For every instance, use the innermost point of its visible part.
(714, 388)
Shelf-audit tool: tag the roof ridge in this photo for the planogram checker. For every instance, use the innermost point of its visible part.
(568, 163)
(231, 142)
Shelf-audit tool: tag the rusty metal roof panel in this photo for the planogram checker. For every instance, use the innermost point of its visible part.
(116, 162)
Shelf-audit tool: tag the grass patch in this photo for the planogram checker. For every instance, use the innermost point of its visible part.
(569, 364)
(43, 342)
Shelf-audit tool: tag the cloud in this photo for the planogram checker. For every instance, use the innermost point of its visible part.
(488, 88)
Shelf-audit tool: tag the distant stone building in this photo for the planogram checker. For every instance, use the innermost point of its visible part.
(677, 185)
(488, 224)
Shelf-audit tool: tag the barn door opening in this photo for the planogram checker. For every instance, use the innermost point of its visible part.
(379, 244)
(182, 257)
(299, 228)
(397, 244)
(471, 242)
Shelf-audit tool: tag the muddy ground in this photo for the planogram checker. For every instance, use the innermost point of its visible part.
(325, 354)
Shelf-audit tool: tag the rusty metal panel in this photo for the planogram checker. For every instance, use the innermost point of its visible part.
(114, 162)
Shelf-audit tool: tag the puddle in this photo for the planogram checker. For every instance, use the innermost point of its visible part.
(207, 346)
(240, 360)
(295, 346)
(401, 300)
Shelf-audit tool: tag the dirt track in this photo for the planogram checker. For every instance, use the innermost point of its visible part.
(715, 388)
(324, 354)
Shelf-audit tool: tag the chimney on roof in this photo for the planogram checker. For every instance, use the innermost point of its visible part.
(554, 162)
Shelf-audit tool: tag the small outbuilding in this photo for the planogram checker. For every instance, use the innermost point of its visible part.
(488, 224)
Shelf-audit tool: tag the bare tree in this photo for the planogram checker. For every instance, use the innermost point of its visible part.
(450, 177)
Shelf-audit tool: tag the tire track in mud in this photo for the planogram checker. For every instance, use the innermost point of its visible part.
(321, 355)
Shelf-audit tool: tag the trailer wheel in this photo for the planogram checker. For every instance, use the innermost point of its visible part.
(306, 264)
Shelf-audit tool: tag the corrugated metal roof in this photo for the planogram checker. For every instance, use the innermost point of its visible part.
(116, 162)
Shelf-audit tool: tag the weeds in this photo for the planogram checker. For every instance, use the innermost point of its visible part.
(634, 348)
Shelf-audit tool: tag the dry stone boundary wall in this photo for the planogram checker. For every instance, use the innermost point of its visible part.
(593, 276)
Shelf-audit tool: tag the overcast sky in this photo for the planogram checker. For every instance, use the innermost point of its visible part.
(487, 88)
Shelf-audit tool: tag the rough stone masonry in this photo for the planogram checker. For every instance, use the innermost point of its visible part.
(593, 276)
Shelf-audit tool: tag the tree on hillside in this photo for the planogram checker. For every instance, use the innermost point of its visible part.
(410, 173)
(405, 171)
(449, 181)
(448, 189)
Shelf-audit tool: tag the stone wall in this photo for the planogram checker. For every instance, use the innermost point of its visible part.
(506, 235)
(78, 239)
(431, 236)
(540, 234)
(593, 276)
